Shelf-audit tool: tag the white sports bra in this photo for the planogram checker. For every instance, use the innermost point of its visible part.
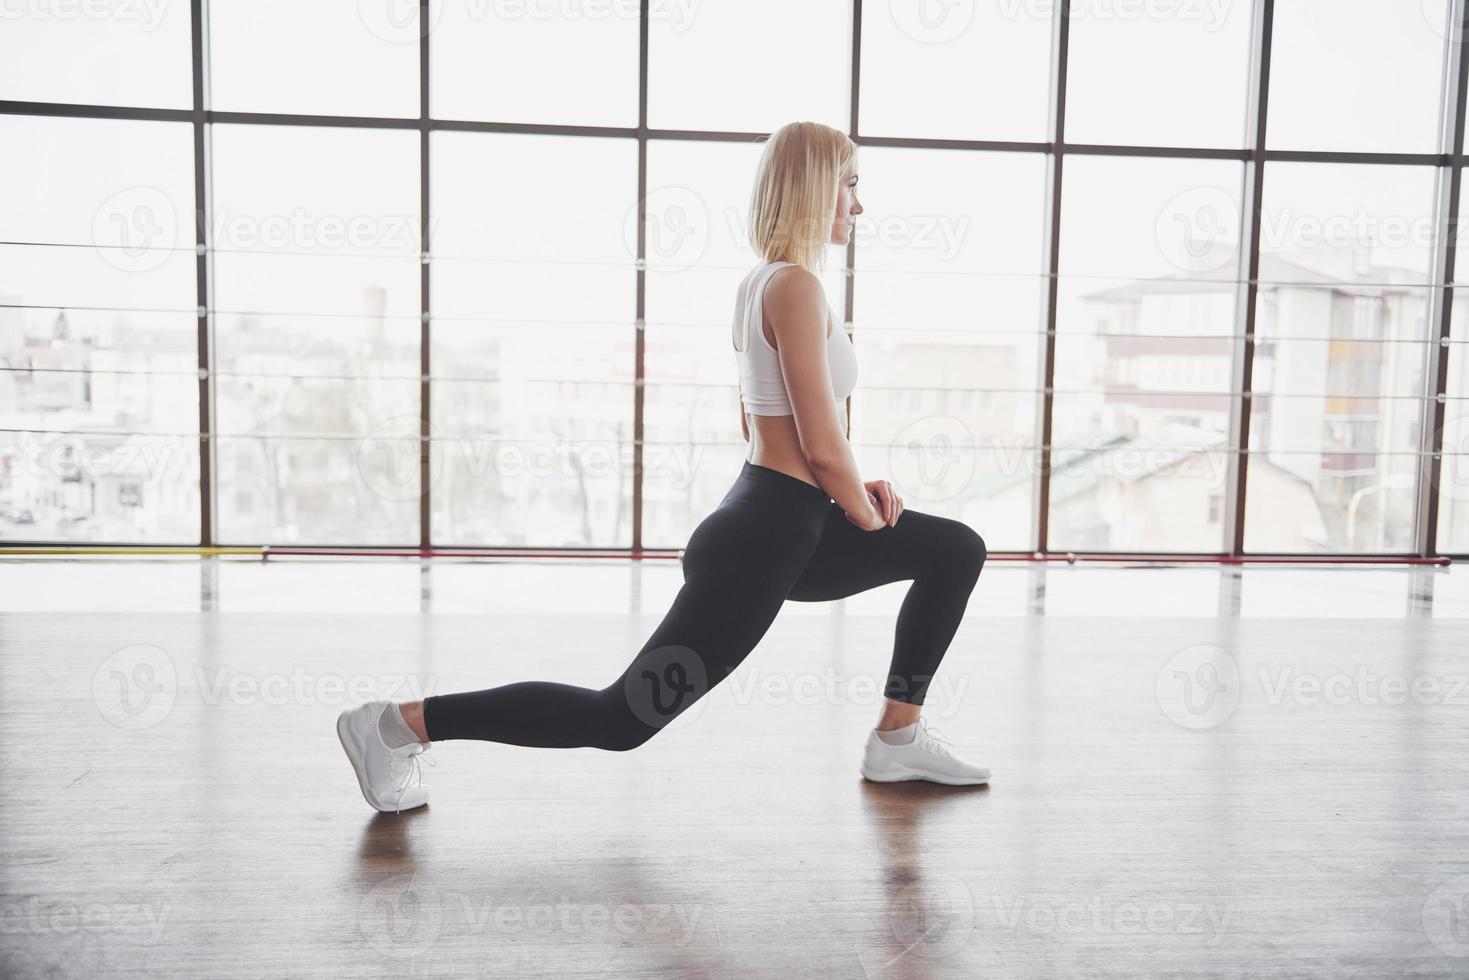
(762, 386)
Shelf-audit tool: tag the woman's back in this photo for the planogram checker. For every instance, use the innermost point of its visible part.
(774, 439)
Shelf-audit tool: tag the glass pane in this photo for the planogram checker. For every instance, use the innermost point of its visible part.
(509, 492)
(509, 62)
(99, 388)
(346, 59)
(1119, 52)
(1341, 341)
(1356, 76)
(949, 312)
(80, 486)
(1453, 480)
(912, 50)
(1346, 223)
(57, 194)
(315, 223)
(1337, 411)
(551, 237)
(707, 64)
(317, 293)
(534, 334)
(1460, 234)
(129, 54)
(1146, 306)
(319, 491)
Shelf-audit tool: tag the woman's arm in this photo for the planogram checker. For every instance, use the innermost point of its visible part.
(799, 317)
(744, 422)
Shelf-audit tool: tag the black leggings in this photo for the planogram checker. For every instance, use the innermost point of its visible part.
(774, 537)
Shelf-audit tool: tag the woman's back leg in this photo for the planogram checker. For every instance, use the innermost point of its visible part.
(738, 568)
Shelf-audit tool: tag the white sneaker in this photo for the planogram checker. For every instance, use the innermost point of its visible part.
(926, 757)
(390, 778)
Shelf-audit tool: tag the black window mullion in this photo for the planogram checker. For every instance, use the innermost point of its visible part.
(203, 266)
(1441, 309)
(1060, 52)
(1252, 200)
(425, 328)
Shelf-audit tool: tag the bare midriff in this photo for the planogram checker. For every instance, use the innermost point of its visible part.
(774, 443)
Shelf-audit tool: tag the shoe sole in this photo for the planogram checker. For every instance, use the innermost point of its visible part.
(349, 745)
(902, 774)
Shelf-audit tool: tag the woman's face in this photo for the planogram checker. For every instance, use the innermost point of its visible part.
(847, 205)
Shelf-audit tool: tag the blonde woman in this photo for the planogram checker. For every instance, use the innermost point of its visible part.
(799, 523)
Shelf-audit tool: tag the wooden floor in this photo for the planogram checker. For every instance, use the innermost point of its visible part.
(1273, 787)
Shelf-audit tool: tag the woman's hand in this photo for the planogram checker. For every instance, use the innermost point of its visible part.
(886, 506)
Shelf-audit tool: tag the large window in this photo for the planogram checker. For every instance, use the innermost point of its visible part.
(534, 312)
(1452, 486)
(485, 299)
(99, 391)
(1340, 351)
(510, 62)
(1145, 310)
(919, 61)
(1453, 478)
(1358, 75)
(748, 65)
(113, 54)
(1165, 74)
(316, 269)
(313, 58)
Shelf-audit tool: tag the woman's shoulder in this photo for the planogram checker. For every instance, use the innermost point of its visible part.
(794, 284)
(795, 293)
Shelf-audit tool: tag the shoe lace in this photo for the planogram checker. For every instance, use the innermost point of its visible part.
(412, 774)
(937, 741)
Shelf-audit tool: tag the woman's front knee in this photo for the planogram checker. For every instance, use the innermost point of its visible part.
(978, 552)
(972, 551)
(963, 551)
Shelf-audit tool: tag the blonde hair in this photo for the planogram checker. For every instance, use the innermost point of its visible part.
(794, 201)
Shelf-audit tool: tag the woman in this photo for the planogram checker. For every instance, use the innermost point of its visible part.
(799, 523)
